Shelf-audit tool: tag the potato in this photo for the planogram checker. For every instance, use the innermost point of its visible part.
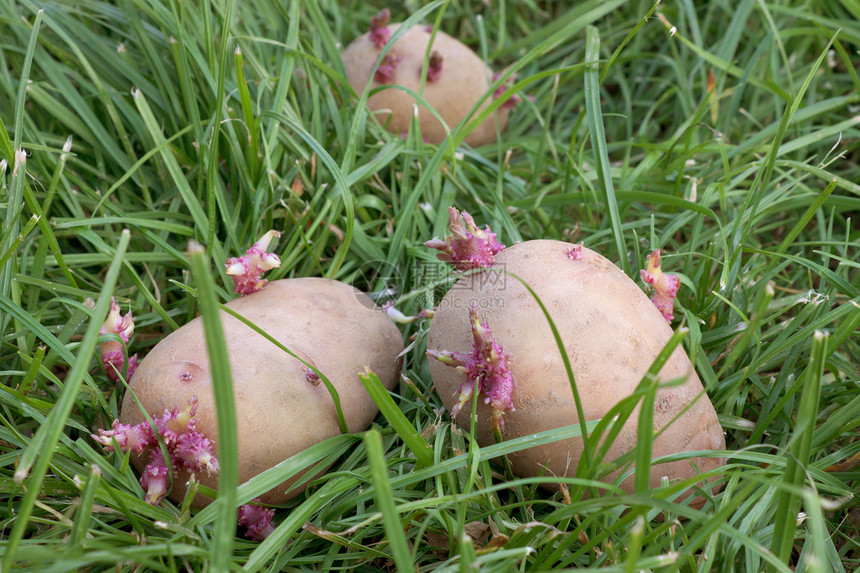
(463, 81)
(611, 333)
(280, 411)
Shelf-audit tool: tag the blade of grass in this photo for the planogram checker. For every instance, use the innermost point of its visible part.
(751, 331)
(181, 58)
(45, 227)
(805, 218)
(7, 148)
(645, 430)
(247, 115)
(10, 234)
(799, 450)
(385, 498)
(29, 379)
(16, 242)
(85, 509)
(225, 409)
(340, 183)
(24, 81)
(189, 198)
(263, 482)
(637, 534)
(404, 428)
(719, 63)
(744, 224)
(212, 178)
(563, 27)
(594, 115)
(335, 396)
(47, 436)
(587, 449)
(294, 521)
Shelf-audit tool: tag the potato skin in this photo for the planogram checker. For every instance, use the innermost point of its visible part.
(279, 411)
(611, 332)
(464, 80)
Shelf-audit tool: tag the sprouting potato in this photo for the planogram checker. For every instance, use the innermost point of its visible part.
(282, 407)
(489, 329)
(456, 79)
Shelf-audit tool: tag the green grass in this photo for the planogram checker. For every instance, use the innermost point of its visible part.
(725, 133)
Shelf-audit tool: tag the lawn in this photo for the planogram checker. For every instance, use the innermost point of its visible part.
(144, 142)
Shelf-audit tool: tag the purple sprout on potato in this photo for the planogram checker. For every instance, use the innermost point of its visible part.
(134, 438)
(574, 253)
(248, 269)
(434, 66)
(379, 32)
(486, 369)
(186, 447)
(400, 318)
(113, 352)
(467, 247)
(665, 286)
(195, 452)
(512, 101)
(154, 478)
(386, 68)
(257, 520)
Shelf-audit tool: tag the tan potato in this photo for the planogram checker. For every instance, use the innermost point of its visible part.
(279, 410)
(611, 332)
(464, 80)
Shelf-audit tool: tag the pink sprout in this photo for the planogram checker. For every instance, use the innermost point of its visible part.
(174, 423)
(386, 68)
(195, 451)
(113, 352)
(186, 447)
(665, 285)
(486, 369)
(379, 32)
(400, 318)
(311, 376)
(434, 66)
(154, 478)
(467, 247)
(134, 438)
(257, 520)
(247, 269)
(511, 102)
(574, 253)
